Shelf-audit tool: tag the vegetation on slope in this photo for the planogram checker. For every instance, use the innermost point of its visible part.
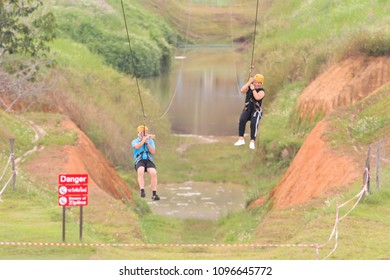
(102, 30)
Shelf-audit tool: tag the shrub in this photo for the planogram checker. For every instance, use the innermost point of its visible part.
(372, 44)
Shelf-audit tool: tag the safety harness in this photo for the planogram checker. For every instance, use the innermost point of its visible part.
(140, 156)
(256, 103)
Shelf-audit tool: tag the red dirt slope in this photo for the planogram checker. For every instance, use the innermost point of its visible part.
(317, 168)
(83, 157)
(106, 189)
(344, 83)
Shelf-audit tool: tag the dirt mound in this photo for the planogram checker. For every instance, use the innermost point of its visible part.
(344, 83)
(315, 170)
(83, 157)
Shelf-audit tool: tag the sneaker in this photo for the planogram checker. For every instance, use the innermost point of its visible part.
(252, 145)
(155, 197)
(142, 193)
(240, 142)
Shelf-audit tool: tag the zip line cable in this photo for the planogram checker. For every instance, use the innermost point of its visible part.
(232, 46)
(5, 169)
(132, 60)
(1, 177)
(182, 63)
(253, 44)
(134, 72)
(188, 25)
(254, 39)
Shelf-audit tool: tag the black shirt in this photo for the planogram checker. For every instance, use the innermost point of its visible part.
(250, 98)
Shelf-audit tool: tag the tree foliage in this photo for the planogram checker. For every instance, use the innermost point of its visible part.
(24, 33)
(23, 29)
(152, 55)
(152, 40)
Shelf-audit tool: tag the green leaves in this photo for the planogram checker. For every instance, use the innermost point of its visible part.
(23, 30)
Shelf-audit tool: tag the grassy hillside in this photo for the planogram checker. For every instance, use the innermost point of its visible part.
(364, 123)
(103, 102)
(295, 40)
(14, 128)
(100, 26)
(299, 38)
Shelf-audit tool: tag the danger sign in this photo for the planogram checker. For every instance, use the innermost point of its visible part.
(73, 189)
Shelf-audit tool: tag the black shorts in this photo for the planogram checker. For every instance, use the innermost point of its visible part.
(147, 163)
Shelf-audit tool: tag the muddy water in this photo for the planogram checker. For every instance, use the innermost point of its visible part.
(200, 95)
(198, 200)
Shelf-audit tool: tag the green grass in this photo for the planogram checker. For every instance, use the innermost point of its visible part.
(213, 2)
(375, 43)
(29, 214)
(305, 35)
(280, 138)
(362, 234)
(53, 133)
(370, 219)
(21, 132)
(103, 102)
(223, 164)
(92, 23)
(363, 123)
(310, 223)
(373, 119)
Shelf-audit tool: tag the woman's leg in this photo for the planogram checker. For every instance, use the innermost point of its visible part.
(244, 118)
(255, 119)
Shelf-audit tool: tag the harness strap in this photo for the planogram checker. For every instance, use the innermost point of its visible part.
(140, 156)
(255, 103)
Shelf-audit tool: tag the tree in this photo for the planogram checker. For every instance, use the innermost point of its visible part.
(24, 34)
(23, 30)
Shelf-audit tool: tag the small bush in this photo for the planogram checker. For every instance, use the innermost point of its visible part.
(371, 44)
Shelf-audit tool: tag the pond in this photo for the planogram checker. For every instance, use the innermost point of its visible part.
(200, 94)
(199, 200)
